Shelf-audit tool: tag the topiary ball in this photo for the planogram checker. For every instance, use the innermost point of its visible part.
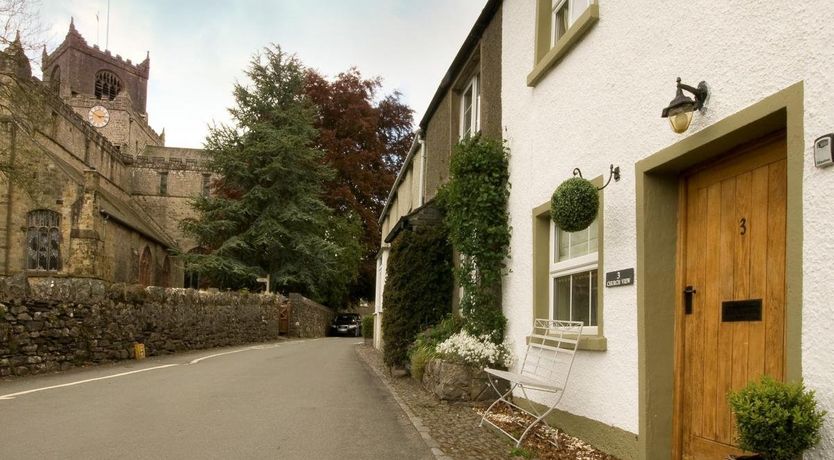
(574, 204)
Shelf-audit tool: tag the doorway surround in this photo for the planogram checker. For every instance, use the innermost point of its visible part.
(657, 201)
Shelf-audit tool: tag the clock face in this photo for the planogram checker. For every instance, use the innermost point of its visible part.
(98, 116)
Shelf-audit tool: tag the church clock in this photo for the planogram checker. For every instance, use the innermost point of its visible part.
(98, 116)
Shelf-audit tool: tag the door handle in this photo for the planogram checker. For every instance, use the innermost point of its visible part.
(687, 299)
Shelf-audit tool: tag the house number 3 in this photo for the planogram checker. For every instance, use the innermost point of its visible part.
(742, 224)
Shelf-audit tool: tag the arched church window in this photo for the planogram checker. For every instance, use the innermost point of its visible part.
(145, 267)
(43, 240)
(165, 276)
(107, 85)
(55, 79)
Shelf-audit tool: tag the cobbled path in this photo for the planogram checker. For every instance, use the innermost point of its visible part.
(454, 427)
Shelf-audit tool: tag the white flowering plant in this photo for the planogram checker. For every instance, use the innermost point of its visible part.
(478, 351)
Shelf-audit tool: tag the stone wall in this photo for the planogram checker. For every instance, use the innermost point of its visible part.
(49, 324)
(308, 318)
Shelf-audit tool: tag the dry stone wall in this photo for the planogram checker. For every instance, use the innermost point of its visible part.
(308, 318)
(49, 324)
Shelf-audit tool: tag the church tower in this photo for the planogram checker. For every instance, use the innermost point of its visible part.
(106, 90)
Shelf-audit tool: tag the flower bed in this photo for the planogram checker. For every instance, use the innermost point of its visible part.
(456, 372)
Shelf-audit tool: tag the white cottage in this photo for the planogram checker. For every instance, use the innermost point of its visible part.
(733, 207)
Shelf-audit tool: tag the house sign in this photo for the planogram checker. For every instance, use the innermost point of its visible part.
(619, 278)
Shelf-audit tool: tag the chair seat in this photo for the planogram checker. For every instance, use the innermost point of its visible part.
(525, 380)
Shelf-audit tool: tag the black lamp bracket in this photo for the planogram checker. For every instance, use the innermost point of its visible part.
(701, 93)
(614, 173)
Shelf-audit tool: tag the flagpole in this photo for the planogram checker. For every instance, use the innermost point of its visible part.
(107, 39)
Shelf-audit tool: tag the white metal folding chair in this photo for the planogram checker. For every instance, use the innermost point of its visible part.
(551, 349)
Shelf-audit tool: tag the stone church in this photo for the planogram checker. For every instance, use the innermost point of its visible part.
(89, 189)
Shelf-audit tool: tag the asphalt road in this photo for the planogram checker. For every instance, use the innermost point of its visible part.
(309, 399)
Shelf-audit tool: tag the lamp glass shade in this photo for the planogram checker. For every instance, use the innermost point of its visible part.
(680, 121)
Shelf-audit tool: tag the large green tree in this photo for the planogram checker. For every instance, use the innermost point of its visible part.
(365, 138)
(266, 213)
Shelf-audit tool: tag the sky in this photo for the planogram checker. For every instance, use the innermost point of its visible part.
(200, 48)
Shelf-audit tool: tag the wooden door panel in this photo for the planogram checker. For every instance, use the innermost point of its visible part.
(733, 237)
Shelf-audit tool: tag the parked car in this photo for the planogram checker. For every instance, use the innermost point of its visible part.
(346, 324)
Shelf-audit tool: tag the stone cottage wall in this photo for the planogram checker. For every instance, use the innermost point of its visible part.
(308, 318)
(48, 324)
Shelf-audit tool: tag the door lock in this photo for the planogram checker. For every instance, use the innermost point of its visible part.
(687, 299)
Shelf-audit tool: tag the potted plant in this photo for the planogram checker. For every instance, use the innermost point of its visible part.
(574, 204)
(777, 420)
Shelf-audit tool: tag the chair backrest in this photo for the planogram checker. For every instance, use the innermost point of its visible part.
(551, 349)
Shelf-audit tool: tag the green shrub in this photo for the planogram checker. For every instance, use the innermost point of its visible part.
(574, 204)
(423, 349)
(475, 199)
(368, 327)
(441, 331)
(777, 420)
(420, 357)
(418, 289)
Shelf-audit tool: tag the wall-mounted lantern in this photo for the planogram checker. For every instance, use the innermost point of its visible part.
(680, 110)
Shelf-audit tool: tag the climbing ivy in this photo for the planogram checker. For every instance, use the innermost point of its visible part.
(475, 200)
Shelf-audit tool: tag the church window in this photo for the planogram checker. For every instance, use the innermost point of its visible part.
(145, 267)
(206, 182)
(55, 79)
(108, 85)
(163, 183)
(43, 240)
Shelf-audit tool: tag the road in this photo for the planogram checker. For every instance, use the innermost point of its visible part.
(310, 399)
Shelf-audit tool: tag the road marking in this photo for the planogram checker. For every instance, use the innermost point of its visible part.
(194, 361)
(13, 395)
(256, 347)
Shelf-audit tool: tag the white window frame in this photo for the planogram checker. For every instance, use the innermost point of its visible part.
(571, 13)
(571, 266)
(475, 113)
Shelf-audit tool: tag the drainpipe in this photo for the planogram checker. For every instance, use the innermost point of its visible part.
(422, 170)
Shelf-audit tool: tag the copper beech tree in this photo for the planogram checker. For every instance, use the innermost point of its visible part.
(365, 138)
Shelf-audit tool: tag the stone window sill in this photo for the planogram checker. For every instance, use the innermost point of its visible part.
(561, 48)
(591, 342)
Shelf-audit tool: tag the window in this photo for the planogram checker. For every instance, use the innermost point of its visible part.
(560, 24)
(573, 277)
(108, 85)
(43, 240)
(564, 14)
(55, 79)
(206, 182)
(163, 183)
(470, 102)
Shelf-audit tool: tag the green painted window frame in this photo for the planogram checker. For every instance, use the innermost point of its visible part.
(546, 55)
(542, 253)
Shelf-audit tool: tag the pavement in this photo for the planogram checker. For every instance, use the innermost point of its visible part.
(451, 429)
(304, 399)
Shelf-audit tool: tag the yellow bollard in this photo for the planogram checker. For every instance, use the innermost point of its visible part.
(139, 350)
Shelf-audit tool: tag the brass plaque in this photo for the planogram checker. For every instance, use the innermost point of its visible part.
(741, 310)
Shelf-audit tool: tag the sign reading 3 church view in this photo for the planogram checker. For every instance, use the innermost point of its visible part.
(619, 278)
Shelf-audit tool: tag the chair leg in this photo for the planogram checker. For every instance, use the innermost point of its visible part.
(539, 417)
(501, 397)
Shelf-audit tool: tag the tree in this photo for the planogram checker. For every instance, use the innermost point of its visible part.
(266, 214)
(365, 141)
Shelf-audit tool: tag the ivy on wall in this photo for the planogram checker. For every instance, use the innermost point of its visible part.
(418, 288)
(475, 200)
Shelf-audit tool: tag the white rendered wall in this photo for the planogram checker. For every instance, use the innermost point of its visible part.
(601, 104)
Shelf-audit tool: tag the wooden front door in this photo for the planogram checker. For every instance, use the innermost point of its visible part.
(732, 261)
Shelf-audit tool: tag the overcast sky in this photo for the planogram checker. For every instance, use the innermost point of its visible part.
(199, 48)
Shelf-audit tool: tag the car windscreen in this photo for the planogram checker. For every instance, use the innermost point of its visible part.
(345, 319)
